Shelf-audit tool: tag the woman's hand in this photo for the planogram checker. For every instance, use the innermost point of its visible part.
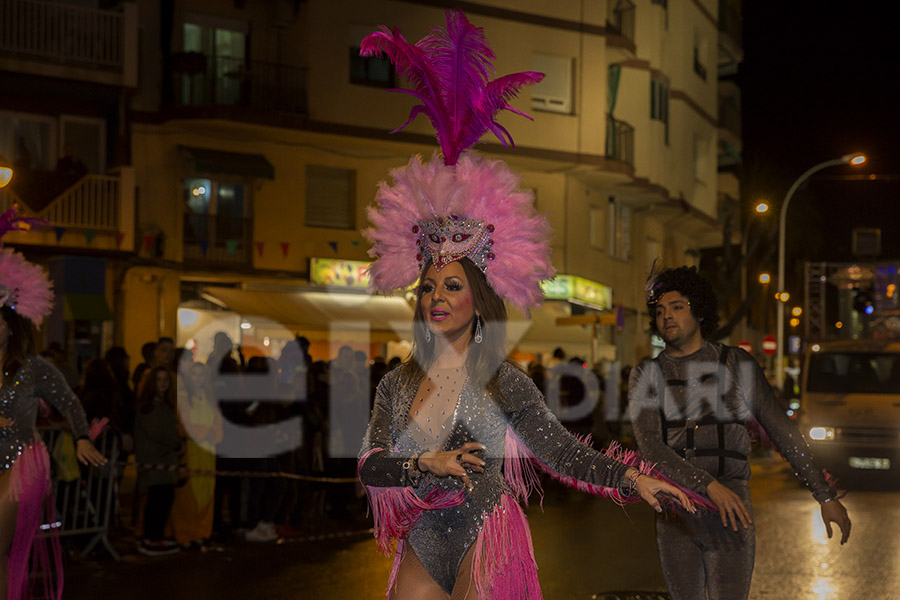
(731, 507)
(88, 454)
(835, 511)
(4, 422)
(453, 463)
(648, 487)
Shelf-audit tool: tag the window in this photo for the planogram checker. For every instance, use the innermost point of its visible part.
(700, 56)
(376, 71)
(659, 104)
(84, 139)
(28, 141)
(330, 194)
(554, 92)
(619, 229)
(216, 220)
(224, 45)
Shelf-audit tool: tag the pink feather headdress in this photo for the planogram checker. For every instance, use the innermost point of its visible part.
(24, 287)
(465, 206)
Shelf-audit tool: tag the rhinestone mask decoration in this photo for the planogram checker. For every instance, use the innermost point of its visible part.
(446, 240)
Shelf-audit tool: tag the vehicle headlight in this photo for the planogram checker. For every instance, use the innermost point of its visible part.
(821, 433)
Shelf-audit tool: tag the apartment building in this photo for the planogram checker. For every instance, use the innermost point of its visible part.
(257, 137)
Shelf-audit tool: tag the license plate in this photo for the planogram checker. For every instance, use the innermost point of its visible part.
(867, 462)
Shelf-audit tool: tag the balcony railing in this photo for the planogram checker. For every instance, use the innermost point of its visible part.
(620, 18)
(200, 80)
(619, 140)
(96, 203)
(699, 67)
(68, 35)
(217, 239)
(730, 22)
(730, 116)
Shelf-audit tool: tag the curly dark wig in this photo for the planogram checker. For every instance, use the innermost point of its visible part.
(693, 286)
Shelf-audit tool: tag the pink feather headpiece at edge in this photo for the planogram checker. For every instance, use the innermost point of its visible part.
(24, 286)
(450, 69)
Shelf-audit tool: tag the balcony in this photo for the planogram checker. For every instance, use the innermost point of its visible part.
(619, 141)
(207, 81)
(96, 211)
(65, 41)
(217, 239)
(731, 41)
(620, 23)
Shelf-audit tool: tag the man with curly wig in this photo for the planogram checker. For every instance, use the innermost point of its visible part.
(689, 408)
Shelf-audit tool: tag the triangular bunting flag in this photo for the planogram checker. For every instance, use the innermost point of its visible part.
(119, 237)
(59, 233)
(148, 242)
(333, 246)
(259, 248)
(204, 246)
(355, 243)
(89, 235)
(284, 248)
(231, 246)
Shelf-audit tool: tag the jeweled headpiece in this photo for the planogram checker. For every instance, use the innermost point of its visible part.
(24, 287)
(464, 206)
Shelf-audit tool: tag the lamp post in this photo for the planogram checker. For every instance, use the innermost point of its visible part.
(759, 209)
(854, 159)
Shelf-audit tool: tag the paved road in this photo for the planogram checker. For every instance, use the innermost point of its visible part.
(584, 547)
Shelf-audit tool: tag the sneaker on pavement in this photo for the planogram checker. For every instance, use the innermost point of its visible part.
(160, 548)
(261, 533)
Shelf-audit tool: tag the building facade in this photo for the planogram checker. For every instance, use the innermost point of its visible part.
(257, 137)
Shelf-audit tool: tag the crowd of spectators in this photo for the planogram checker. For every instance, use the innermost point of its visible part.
(228, 448)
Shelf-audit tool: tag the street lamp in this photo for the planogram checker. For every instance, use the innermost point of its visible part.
(6, 172)
(853, 159)
(759, 209)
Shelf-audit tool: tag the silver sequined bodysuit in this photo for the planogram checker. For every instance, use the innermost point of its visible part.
(35, 380)
(441, 537)
(697, 435)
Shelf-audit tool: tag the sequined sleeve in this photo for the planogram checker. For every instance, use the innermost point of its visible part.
(51, 386)
(760, 399)
(379, 465)
(643, 408)
(540, 430)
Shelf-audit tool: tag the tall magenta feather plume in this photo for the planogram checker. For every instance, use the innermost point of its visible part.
(451, 70)
(24, 286)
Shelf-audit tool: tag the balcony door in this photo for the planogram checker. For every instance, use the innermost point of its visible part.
(217, 224)
(221, 77)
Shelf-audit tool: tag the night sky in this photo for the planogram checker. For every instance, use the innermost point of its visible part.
(819, 80)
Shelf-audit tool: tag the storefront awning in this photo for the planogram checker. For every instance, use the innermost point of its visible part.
(385, 317)
(86, 307)
(216, 162)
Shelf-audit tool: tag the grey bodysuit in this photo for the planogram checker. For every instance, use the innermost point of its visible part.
(35, 380)
(441, 537)
(698, 435)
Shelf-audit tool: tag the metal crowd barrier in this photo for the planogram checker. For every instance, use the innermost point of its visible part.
(84, 505)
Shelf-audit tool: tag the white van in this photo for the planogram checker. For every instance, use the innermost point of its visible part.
(850, 407)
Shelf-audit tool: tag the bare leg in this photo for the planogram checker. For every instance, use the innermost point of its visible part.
(8, 513)
(464, 587)
(413, 581)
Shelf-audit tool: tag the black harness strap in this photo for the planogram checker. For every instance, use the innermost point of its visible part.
(690, 425)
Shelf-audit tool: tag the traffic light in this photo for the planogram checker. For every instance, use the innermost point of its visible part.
(863, 302)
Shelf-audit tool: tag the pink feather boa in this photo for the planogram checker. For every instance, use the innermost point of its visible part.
(521, 466)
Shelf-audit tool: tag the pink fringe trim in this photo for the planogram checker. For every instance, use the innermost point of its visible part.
(30, 487)
(503, 566)
(396, 510)
(97, 427)
(521, 465)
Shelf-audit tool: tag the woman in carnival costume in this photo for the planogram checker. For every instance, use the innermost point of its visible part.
(25, 299)
(457, 431)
